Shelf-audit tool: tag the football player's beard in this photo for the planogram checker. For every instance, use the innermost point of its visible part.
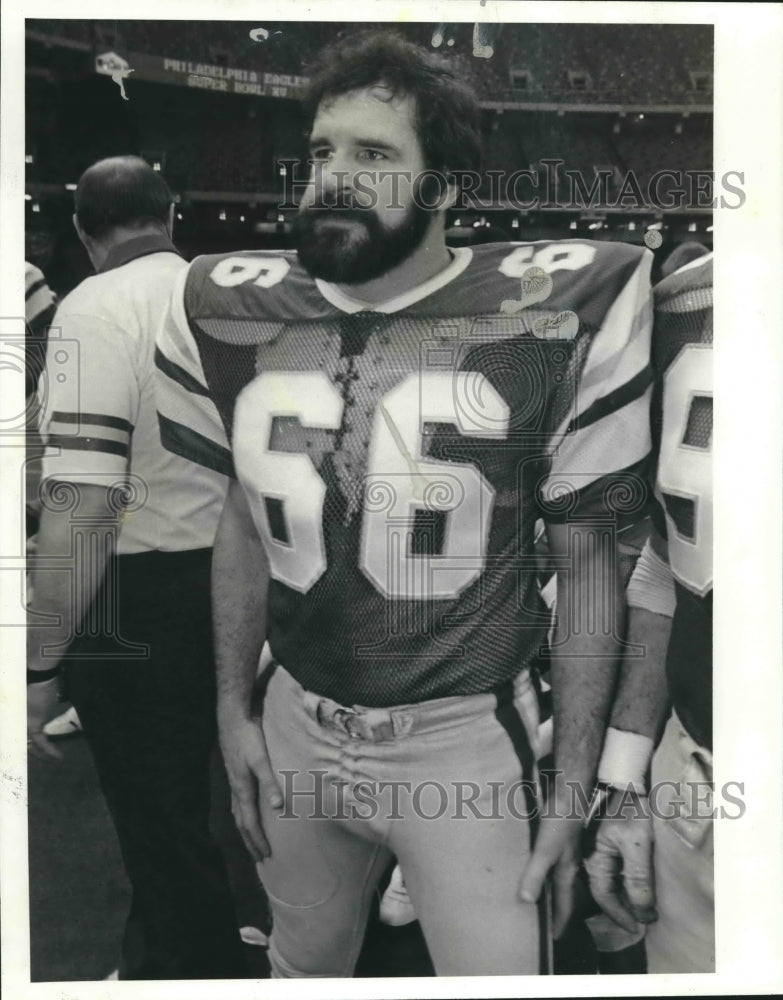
(365, 249)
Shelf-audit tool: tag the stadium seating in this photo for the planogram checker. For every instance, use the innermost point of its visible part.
(648, 63)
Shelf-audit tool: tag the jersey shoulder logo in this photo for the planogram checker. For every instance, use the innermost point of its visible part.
(250, 288)
(568, 283)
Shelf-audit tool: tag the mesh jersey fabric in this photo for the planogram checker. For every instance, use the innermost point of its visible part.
(682, 429)
(396, 458)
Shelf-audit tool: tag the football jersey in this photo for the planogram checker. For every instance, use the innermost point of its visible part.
(396, 456)
(682, 425)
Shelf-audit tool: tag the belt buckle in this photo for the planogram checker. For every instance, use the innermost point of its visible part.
(348, 719)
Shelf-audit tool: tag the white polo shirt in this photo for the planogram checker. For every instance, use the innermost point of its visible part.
(100, 421)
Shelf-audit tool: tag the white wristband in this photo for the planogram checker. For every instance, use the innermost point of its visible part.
(651, 585)
(625, 759)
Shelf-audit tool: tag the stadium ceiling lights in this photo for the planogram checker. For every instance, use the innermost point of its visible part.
(485, 36)
(443, 33)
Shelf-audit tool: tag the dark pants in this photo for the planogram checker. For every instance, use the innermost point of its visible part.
(150, 723)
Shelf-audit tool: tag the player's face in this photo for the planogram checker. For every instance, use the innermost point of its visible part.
(359, 217)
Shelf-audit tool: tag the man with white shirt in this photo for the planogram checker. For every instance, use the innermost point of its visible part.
(121, 582)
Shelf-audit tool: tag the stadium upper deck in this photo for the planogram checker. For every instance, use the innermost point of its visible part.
(655, 65)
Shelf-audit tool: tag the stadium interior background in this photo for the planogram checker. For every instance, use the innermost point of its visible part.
(214, 108)
(213, 105)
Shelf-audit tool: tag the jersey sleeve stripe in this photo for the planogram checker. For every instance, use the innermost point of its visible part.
(42, 320)
(621, 348)
(73, 430)
(178, 374)
(86, 444)
(187, 443)
(623, 493)
(189, 422)
(190, 410)
(93, 419)
(618, 355)
(32, 289)
(616, 400)
(613, 442)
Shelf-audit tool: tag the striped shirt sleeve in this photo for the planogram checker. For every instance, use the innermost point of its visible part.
(40, 306)
(601, 448)
(88, 417)
(190, 425)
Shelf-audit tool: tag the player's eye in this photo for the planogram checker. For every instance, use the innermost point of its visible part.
(320, 153)
(373, 155)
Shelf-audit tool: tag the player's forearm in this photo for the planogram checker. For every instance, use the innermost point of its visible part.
(584, 672)
(63, 594)
(239, 592)
(641, 700)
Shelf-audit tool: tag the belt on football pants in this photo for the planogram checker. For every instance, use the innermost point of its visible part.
(380, 725)
(374, 725)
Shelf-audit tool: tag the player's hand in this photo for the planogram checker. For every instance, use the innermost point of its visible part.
(251, 778)
(621, 866)
(42, 702)
(557, 850)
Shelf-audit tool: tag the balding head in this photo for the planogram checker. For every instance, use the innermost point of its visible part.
(122, 192)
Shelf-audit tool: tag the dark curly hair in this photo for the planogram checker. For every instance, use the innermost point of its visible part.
(447, 111)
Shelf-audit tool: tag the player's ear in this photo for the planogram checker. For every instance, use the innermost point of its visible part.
(436, 190)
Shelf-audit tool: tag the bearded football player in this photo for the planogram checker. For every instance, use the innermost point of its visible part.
(395, 416)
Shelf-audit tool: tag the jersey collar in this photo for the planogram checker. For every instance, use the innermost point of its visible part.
(462, 256)
(141, 246)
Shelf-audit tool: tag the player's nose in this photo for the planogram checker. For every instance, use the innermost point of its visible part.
(334, 180)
